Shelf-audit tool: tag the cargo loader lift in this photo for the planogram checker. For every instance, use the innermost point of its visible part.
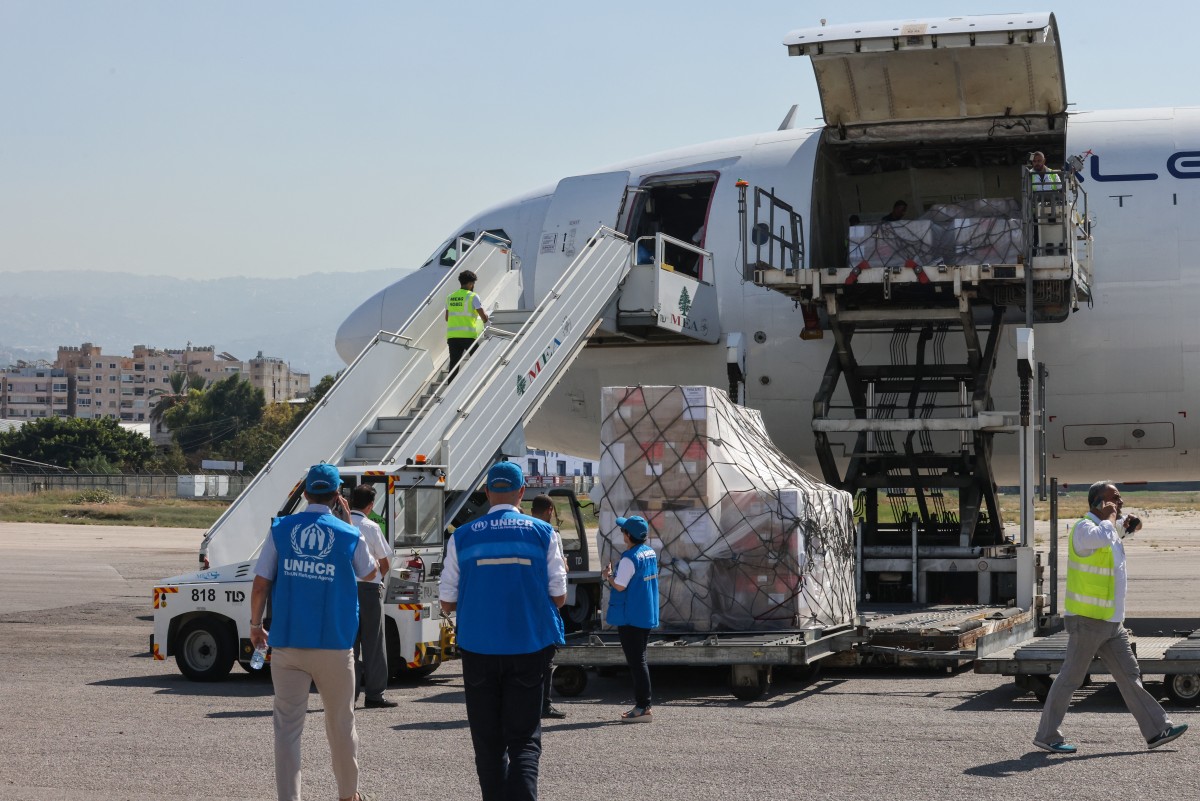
(904, 431)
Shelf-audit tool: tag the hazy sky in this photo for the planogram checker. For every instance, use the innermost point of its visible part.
(282, 138)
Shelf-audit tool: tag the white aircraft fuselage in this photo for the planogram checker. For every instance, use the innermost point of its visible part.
(1123, 393)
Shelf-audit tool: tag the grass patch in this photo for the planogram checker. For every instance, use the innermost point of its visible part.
(75, 507)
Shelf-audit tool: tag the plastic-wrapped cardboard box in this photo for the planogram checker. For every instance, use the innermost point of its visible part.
(746, 539)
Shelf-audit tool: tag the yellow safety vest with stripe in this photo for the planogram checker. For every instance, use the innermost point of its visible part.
(1046, 181)
(1091, 581)
(462, 321)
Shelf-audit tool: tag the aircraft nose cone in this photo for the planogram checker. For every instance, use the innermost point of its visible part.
(360, 327)
(386, 310)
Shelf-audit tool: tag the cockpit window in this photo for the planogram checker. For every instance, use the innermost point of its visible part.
(448, 255)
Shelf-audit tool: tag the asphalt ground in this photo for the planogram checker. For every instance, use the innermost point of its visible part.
(86, 714)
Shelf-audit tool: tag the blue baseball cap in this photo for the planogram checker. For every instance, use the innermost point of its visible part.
(636, 527)
(322, 478)
(505, 477)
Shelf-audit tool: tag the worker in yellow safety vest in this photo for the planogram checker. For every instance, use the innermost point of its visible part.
(465, 318)
(1042, 179)
(1095, 613)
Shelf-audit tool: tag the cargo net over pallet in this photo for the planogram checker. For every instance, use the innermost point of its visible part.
(983, 231)
(746, 540)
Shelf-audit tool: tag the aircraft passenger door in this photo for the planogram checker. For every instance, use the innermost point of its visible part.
(580, 205)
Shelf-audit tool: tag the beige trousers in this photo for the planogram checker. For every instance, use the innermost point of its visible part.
(1086, 639)
(293, 670)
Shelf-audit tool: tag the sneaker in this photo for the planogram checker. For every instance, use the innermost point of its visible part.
(551, 711)
(1167, 736)
(379, 703)
(1061, 747)
(639, 714)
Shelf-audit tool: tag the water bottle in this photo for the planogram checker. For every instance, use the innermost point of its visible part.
(259, 659)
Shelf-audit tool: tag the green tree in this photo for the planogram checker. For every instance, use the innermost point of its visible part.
(255, 446)
(168, 397)
(210, 417)
(320, 390)
(75, 441)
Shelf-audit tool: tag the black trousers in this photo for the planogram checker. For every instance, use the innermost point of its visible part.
(504, 711)
(633, 643)
(548, 682)
(458, 348)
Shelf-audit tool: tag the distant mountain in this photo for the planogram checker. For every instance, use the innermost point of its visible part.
(294, 319)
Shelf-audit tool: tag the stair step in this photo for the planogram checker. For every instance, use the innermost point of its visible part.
(381, 437)
(509, 320)
(393, 425)
(374, 453)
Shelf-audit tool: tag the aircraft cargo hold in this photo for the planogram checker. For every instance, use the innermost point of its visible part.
(746, 540)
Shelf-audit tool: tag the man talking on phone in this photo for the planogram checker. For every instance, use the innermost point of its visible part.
(1095, 614)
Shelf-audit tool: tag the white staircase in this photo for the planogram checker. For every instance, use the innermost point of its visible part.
(393, 403)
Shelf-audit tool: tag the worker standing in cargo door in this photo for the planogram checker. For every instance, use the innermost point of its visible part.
(465, 319)
(1041, 178)
(1095, 613)
(542, 507)
(633, 609)
(504, 577)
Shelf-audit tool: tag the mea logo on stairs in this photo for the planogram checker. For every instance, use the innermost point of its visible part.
(523, 381)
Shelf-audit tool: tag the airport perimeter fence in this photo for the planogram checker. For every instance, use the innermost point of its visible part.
(225, 486)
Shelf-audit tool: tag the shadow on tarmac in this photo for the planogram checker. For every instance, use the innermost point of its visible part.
(1035, 760)
(1101, 695)
(243, 686)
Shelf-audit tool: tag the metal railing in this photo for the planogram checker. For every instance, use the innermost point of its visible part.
(132, 485)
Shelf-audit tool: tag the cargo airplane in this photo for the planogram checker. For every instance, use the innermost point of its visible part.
(934, 112)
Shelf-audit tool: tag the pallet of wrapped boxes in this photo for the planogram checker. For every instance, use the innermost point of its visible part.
(746, 540)
(984, 230)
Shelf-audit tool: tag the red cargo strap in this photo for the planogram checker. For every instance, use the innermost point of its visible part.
(918, 269)
(856, 271)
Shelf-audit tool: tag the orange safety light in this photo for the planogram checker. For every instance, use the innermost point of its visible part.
(420, 459)
(741, 183)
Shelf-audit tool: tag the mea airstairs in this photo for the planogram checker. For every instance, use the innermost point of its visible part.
(394, 402)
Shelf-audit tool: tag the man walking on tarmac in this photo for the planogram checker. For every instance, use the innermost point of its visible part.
(504, 576)
(373, 670)
(465, 318)
(308, 565)
(1095, 611)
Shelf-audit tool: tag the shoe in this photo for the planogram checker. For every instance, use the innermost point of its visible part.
(639, 714)
(367, 797)
(379, 703)
(1167, 736)
(551, 711)
(1061, 747)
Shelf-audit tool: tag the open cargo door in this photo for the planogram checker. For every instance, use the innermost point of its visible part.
(999, 65)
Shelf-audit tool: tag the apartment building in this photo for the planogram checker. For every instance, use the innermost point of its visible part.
(28, 392)
(126, 388)
(275, 378)
(117, 387)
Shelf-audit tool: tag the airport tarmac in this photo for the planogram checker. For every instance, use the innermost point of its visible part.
(86, 714)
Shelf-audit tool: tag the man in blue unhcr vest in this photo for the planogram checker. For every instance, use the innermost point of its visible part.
(310, 565)
(1095, 612)
(504, 576)
(633, 609)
